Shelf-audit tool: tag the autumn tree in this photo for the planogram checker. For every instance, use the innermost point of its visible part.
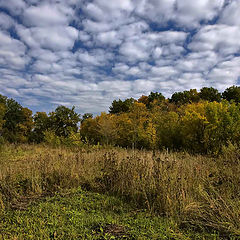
(17, 122)
(25, 126)
(89, 131)
(106, 128)
(167, 129)
(143, 99)
(86, 116)
(193, 123)
(223, 125)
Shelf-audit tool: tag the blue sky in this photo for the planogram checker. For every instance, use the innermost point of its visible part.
(88, 53)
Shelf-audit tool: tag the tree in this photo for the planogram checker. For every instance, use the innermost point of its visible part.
(107, 128)
(185, 97)
(64, 121)
(25, 126)
(143, 99)
(13, 117)
(41, 124)
(154, 97)
(167, 129)
(121, 106)
(86, 116)
(210, 94)
(3, 99)
(193, 123)
(232, 93)
(2, 113)
(89, 131)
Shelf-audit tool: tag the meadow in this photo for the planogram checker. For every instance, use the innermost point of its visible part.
(96, 192)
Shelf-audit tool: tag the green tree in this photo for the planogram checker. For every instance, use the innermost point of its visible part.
(2, 113)
(64, 120)
(13, 117)
(185, 97)
(121, 106)
(3, 99)
(210, 94)
(154, 97)
(232, 93)
(41, 125)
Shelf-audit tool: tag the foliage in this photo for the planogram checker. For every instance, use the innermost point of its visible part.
(210, 94)
(232, 94)
(185, 97)
(78, 214)
(51, 138)
(167, 130)
(64, 120)
(2, 113)
(86, 116)
(17, 122)
(198, 193)
(41, 124)
(194, 121)
(154, 97)
(121, 106)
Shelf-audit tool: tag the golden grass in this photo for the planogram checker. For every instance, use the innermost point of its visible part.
(200, 191)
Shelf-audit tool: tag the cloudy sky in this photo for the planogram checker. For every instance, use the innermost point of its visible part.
(88, 53)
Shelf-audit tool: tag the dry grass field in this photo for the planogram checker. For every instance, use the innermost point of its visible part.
(197, 192)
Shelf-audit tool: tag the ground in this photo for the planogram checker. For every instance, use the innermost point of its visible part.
(78, 214)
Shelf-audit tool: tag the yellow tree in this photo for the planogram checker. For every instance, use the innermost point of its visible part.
(25, 126)
(89, 131)
(167, 129)
(142, 127)
(193, 125)
(107, 128)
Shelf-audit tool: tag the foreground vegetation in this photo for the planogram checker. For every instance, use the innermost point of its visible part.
(192, 193)
(77, 214)
(142, 152)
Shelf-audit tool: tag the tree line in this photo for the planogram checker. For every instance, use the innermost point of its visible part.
(203, 121)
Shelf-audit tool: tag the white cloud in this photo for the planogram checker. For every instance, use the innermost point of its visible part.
(135, 50)
(110, 38)
(220, 38)
(12, 52)
(53, 38)
(15, 7)
(230, 15)
(5, 21)
(45, 15)
(88, 53)
(190, 13)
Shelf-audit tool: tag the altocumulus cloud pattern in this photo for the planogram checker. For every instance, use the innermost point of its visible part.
(87, 53)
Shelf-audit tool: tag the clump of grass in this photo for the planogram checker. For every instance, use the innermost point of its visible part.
(196, 191)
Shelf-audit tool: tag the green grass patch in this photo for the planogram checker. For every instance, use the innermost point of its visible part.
(78, 214)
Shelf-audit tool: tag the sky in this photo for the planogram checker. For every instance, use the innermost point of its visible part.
(88, 53)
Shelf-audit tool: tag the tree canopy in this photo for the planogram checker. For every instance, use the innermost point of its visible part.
(203, 121)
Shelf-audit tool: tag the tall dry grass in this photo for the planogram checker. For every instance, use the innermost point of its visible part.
(200, 191)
